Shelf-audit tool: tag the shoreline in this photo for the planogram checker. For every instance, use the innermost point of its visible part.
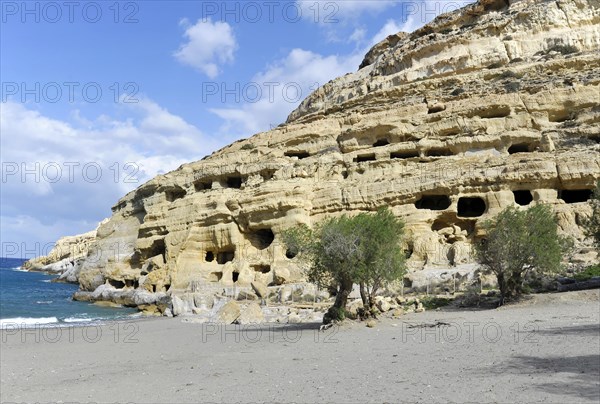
(546, 349)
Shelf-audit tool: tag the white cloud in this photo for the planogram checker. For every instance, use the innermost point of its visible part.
(292, 79)
(119, 155)
(309, 70)
(416, 14)
(390, 27)
(208, 46)
(358, 35)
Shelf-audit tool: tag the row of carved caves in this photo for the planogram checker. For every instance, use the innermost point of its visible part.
(435, 152)
(217, 276)
(467, 206)
(476, 206)
(237, 181)
(233, 182)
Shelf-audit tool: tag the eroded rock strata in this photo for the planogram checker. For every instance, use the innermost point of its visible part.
(490, 106)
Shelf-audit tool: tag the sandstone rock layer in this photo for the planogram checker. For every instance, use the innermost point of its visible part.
(484, 108)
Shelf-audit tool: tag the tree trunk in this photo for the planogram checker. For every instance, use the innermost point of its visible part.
(342, 297)
(364, 296)
(502, 287)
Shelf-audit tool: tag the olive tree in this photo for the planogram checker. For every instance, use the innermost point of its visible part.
(593, 224)
(518, 241)
(343, 251)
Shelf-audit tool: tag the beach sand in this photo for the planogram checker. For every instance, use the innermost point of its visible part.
(544, 350)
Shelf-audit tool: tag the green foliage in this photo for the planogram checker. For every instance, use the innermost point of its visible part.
(342, 251)
(519, 241)
(588, 273)
(248, 146)
(593, 224)
(433, 302)
(334, 314)
(381, 259)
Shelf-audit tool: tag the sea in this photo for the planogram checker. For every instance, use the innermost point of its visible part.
(31, 299)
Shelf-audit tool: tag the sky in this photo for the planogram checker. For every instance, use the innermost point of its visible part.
(98, 97)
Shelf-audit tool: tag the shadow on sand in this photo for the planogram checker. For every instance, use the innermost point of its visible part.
(583, 371)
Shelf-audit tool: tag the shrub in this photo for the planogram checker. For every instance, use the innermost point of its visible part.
(248, 146)
(588, 273)
(518, 241)
(339, 252)
(433, 302)
(334, 314)
(592, 225)
(472, 297)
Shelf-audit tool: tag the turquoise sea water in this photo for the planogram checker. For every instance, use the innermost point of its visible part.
(30, 298)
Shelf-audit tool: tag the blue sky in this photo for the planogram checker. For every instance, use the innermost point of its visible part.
(98, 97)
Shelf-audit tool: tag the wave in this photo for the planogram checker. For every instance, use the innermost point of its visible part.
(47, 280)
(18, 269)
(77, 320)
(44, 302)
(26, 322)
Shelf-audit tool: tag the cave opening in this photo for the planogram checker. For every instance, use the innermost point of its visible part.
(407, 154)
(263, 269)
(216, 276)
(224, 257)
(116, 284)
(209, 257)
(300, 154)
(158, 248)
(445, 222)
(364, 157)
(267, 175)
(381, 143)
(262, 238)
(174, 194)
(234, 182)
(439, 153)
(235, 276)
(518, 148)
(433, 202)
(202, 185)
(523, 198)
(291, 253)
(575, 195)
(471, 207)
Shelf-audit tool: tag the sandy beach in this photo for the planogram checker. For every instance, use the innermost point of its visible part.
(544, 350)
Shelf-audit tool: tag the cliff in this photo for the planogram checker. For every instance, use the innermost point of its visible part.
(489, 106)
(66, 256)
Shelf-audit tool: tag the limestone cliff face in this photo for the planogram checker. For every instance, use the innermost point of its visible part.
(66, 256)
(484, 108)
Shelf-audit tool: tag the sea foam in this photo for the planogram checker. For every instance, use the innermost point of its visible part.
(26, 322)
(77, 320)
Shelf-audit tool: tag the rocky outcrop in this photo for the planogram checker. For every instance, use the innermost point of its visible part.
(66, 256)
(490, 106)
